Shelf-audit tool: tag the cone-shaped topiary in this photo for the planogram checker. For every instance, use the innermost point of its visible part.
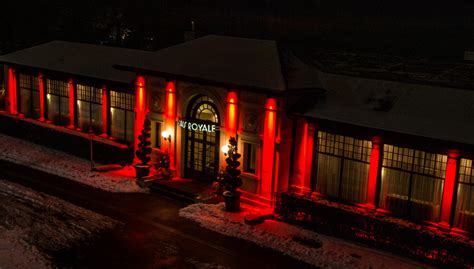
(144, 147)
(229, 180)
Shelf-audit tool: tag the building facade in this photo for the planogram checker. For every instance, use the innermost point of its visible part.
(402, 149)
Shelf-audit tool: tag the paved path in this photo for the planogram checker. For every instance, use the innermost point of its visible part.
(154, 235)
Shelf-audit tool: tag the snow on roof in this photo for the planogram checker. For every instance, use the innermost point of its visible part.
(422, 110)
(88, 60)
(232, 61)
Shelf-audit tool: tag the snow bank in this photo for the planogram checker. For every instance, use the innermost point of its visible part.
(16, 253)
(310, 247)
(34, 225)
(61, 164)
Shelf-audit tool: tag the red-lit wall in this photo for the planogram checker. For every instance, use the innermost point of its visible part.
(170, 122)
(12, 91)
(268, 154)
(42, 94)
(140, 108)
(231, 113)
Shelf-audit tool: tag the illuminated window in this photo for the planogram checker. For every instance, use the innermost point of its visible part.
(250, 158)
(122, 116)
(464, 215)
(29, 96)
(89, 108)
(412, 182)
(342, 166)
(57, 101)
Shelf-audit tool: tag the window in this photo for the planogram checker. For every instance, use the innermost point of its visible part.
(250, 158)
(342, 166)
(29, 96)
(57, 101)
(157, 143)
(412, 182)
(122, 116)
(464, 214)
(89, 108)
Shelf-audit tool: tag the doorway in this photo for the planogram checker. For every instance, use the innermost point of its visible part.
(202, 143)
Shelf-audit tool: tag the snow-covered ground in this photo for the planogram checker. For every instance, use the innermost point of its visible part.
(313, 248)
(62, 164)
(32, 225)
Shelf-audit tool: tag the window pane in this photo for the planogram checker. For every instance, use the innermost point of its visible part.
(394, 191)
(250, 152)
(25, 102)
(64, 112)
(354, 181)
(422, 171)
(83, 115)
(328, 174)
(117, 123)
(464, 218)
(426, 198)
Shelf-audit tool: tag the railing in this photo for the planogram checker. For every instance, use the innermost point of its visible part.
(374, 229)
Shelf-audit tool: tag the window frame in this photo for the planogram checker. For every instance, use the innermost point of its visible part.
(245, 155)
(30, 88)
(126, 105)
(92, 96)
(59, 91)
(365, 151)
(412, 171)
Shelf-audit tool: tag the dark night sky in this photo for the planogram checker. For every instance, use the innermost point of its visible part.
(414, 26)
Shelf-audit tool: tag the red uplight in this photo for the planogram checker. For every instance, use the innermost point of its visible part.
(232, 112)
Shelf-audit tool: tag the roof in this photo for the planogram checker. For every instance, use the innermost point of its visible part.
(395, 68)
(421, 110)
(232, 61)
(88, 60)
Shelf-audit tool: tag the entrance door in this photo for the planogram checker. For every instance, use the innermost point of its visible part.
(202, 147)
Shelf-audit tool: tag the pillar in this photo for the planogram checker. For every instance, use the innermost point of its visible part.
(42, 95)
(105, 111)
(268, 153)
(448, 189)
(231, 114)
(170, 120)
(12, 91)
(140, 109)
(72, 104)
(373, 172)
(303, 152)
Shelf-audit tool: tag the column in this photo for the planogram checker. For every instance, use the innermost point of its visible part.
(170, 120)
(12, 91)
(303, 156)
(72, 104)
(140, 109)
(42, 95)
(373, 172)
(268, 153)
(448, 189)
(105, 111)
(231, 114)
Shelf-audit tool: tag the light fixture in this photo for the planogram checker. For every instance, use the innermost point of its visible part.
(166, 134)
(225, 149)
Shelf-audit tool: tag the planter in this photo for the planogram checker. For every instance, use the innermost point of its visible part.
(142, 170)
(232, 201)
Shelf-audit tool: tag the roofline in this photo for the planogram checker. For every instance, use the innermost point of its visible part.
(379, 131)
(66, 73)
(392, 77)
(167, 75)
